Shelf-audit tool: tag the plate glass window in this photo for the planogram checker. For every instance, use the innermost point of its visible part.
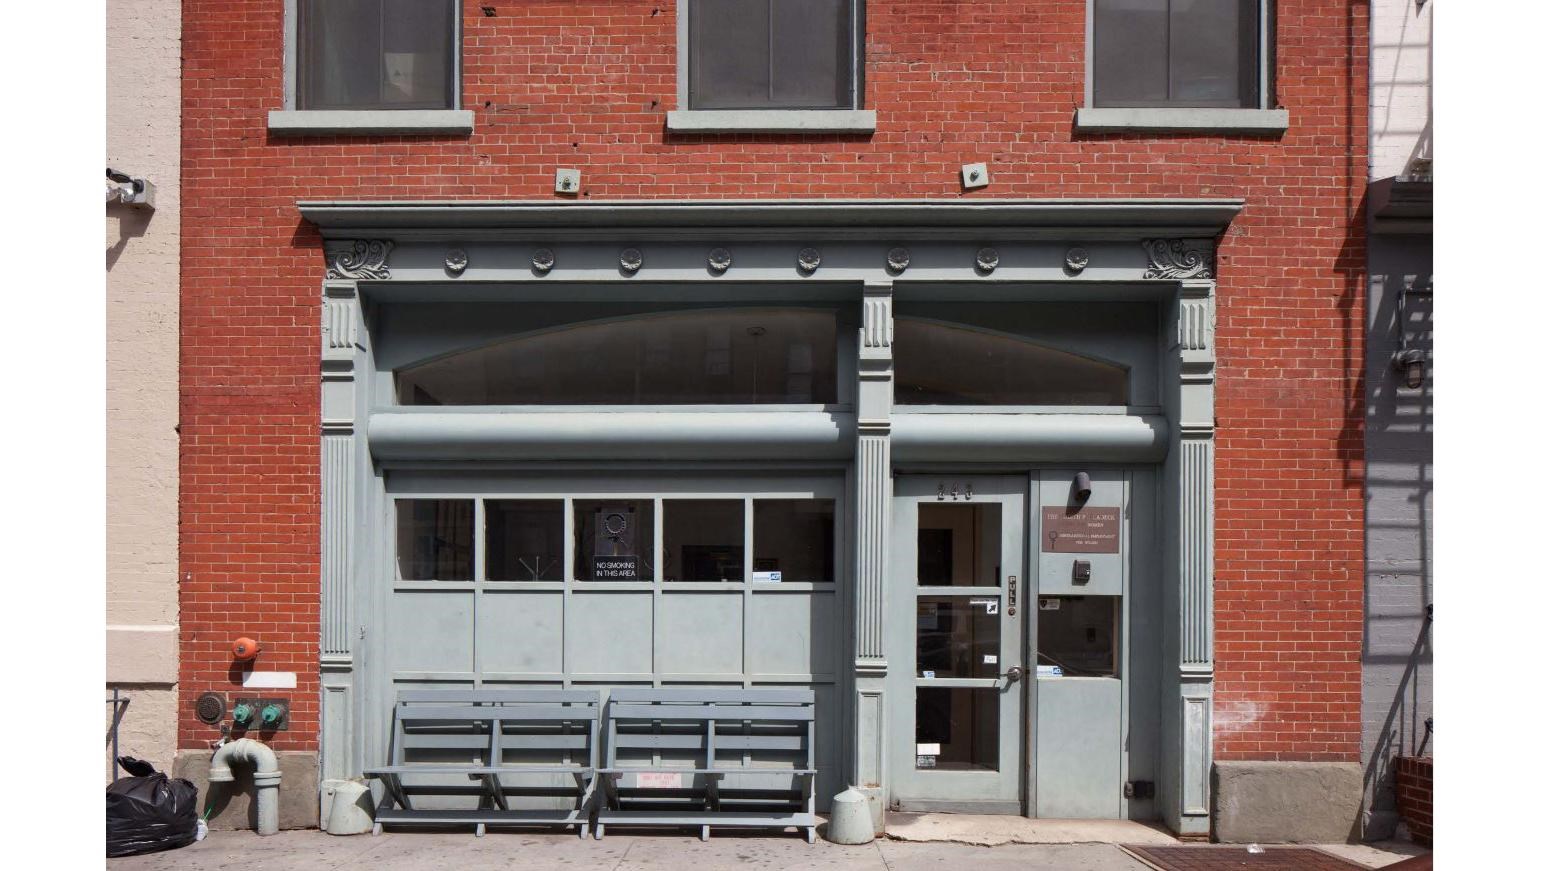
(771, 54)
(376, 54)
(1176, 53)
(435, 539)
(793, 540)
(956, 364)
(615, 539)
(524, 539)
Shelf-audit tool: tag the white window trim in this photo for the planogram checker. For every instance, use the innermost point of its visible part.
(852, 120)
(1265, 118)
(294, 122)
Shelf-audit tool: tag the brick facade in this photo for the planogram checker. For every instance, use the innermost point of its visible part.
(1416, 796)
(586, 83)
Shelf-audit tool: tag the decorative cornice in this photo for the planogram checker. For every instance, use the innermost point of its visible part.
(358, 258)
(895, 221)
(1179, 258)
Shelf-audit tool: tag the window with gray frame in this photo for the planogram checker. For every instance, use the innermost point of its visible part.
(376, 54)
(773, 54)
(1176, 53)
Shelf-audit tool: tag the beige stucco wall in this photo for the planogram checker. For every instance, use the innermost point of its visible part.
(143, 119)
(1400, 84)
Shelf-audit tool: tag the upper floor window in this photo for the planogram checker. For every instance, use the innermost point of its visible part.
(1177, 53)
(376, 54)
(773, 54)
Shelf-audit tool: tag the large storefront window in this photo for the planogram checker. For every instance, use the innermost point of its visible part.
(954, 364)
(720, 356)
(614, 539)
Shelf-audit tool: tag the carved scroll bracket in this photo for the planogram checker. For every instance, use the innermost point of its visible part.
(1179, 258)
(358, 258)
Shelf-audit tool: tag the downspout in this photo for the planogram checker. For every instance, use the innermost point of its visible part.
(266, 777)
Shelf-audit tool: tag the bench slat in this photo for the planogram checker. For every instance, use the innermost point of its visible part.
(627, 740)
(528, 713)
(715, 695)
(512, 696)
(475, 771)
(727, 713)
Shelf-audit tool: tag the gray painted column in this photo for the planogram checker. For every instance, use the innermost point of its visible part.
(1188, 510)
(873, 499)
(341, 332)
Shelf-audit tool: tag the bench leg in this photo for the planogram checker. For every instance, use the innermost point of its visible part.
(704, 833)
(585, 829)
(811, 834)
(479, 832)
(376, 829)
(598, 834)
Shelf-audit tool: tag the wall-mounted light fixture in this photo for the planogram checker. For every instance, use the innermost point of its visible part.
(1409, 362)
(124, 188)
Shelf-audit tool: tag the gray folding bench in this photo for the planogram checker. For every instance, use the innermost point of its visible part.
(527, 743)
(710, 757)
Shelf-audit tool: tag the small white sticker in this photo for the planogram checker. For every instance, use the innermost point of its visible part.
(768, 576)
(991, 607)
(991, 659)
(1048, 604)
(927, 749)
(929, 674)
(658, 780)
(924, 761)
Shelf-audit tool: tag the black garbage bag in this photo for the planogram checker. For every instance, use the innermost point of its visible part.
(150, 812)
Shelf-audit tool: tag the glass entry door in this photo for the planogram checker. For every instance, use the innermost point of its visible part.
(957, 584)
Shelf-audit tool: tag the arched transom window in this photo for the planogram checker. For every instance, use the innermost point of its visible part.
(719, 356)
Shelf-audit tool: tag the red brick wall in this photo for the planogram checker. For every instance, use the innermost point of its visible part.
(1415, 785)
(586, 83)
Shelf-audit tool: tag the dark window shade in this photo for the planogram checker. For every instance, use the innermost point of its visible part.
(770, 54)
(1184, 53)
(376, 54)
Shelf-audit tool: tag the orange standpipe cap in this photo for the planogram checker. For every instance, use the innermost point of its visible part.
(244, 649)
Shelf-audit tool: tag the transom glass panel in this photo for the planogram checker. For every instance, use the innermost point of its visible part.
(954, 364)
(721, 356)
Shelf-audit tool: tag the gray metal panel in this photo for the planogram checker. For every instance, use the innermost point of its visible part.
(538, 646)
(609, 633)
(700, 633)
(1079, 748)
(795, 634)
(429, 631)
(1055, 570)
(1024, 438)
(611, 435)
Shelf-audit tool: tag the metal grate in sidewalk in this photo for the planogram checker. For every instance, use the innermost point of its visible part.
(1233, 858)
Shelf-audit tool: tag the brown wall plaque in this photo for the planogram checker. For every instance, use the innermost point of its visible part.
(1092, 530)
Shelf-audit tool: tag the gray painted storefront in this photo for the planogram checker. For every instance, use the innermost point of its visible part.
(409, 281)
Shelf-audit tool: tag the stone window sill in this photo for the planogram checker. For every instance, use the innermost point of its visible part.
(1260, 121)
(309, 123)
(772, 121)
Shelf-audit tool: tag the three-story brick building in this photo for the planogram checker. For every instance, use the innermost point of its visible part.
(992, 369)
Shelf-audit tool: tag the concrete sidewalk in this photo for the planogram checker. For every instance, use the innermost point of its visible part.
(461, 851)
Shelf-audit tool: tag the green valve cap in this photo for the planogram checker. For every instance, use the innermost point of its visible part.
(272, 714)
(242, 714)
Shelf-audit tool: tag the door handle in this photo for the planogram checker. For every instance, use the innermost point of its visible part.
(1014, 674)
